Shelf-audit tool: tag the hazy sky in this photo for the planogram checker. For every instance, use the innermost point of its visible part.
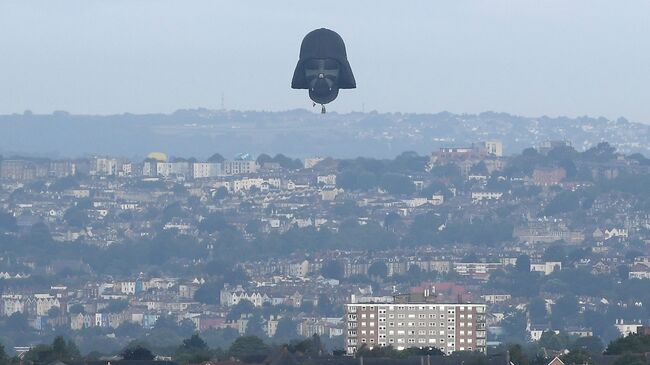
(528, 57)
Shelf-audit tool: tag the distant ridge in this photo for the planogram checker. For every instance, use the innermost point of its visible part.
(300, 133)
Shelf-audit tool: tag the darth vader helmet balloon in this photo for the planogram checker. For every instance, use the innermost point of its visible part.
(323, 67)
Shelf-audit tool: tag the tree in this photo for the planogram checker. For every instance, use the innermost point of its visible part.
(76, 217)
(577, 357)
(194, 350)
(631, 359)
(333, 270)
(378, 269)
(537, 310)
(17, 322)
(221, 193)
(591, 344)
(255, 326)
(286, 330)
(77, 308)
(137, 353)
(523, 263)
(249, 349)
(208, 292)
(555, 253)
(517, 355)
(552, 341)
(565, 310)
(397, 184)
(213, 223)
(633, 343)
(243, 307)
(4, 358)
(216, 158)
(7, 222)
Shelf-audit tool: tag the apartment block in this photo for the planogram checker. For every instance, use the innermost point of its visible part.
(447, 326)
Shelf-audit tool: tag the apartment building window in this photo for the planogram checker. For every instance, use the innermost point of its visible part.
(462, 324)
(432, 333)
(372, 308)
(422, 324)
(469, 332)
(391, 324)
(400, 324)
(432, 316)
(401, 315)
(422, 340)
(391, 332)
(432, 340)
(363, 332)
(411, 324)
(372, 324)
(462, 340)
(391, 316)
(422, 332)
(469, 316)
(400, 340)
(422, 316)
(412, 333)
(432, 324)
(411, 340)
(401, 332)
(372, 332)
(469, 340)
(363, 315)
(372, 315)
(391, 340)
(363, 324)
(462, 333)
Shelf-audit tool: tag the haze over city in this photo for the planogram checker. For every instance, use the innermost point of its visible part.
(324, 182)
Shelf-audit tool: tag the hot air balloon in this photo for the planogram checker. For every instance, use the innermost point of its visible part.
(323, 67)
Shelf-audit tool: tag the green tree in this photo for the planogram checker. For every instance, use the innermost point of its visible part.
(591, 344)
(137, 353)
(208, 292)
(523, 263)
(633, 343)
(397, 184)
(287, 330)
(249, 349)
(333, 270)
(517, 355)
(255, 326)
(4, 358)
(378, 269)
(194, 350)
(577, 357)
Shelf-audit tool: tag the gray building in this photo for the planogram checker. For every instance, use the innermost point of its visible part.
(447, 326)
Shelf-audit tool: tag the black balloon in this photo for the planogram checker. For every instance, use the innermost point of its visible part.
(323, 66)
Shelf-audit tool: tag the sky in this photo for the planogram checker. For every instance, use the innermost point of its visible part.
(526, 57)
